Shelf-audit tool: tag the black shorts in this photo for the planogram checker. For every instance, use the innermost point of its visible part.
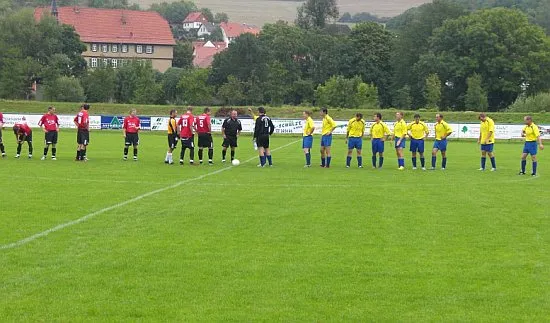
(21, 137)
(188, 142)
(132, 139)
(263, 141)
(172, 141)
(50, 137)
(83, 137)
(230, 141)
(205, 140)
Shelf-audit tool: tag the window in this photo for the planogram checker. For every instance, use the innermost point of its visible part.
(114, 63)
(105, 62)
(125, 48)
(149, 49)
(139, 49)
(94, 47)
(105, 48)
(114, 48)
(93, 62)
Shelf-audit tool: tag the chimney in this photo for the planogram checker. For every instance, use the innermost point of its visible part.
(123, 18)
(55, 12)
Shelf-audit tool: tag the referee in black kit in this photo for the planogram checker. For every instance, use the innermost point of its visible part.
(231, 129)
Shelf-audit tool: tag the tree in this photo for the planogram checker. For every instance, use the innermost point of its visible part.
(432, 91)
(194, 89)
(207, 14)
(367, 96)
(232, 92)
(221, 17)
(183, 55)
(99, 84)
(64, 89)
(476, 97)
(316, 13)
(338, 91)
(170, 80)
(174, 12)
(402, 98)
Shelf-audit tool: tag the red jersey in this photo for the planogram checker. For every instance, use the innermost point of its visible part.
(1, 118)
(23, 128)
(203, 123)
(131, 124)
(49, 121)
(82, 120)
(186, 123)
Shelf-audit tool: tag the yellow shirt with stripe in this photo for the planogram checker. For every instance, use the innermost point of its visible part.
(356, 128)
(308, 127)
(442, 129)
(418, 130)
(378, 130)
(173, 129)
(328, 125)
(400, 129)
(532, 132)
(487, 131)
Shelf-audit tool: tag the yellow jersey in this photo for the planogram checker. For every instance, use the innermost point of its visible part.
(418, 130)
(309, 126)
(400, 129)
(378, 130)
(532, 132)
(328, 125)
(254, 116)
(442, 129)
(356, 128)
(172, 126)
(487, 131)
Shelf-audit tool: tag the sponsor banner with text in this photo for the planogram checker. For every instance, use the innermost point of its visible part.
(65, 121)
(112, 122)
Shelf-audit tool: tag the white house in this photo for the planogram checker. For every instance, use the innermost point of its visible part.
(194, 20)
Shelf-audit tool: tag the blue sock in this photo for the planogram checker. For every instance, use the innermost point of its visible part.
(262, 160)
(483, 162)
(269, 159)
(308, 159)
(329, 159)
(535, 168)
(493, 162)
(423, 161)
(374, 161)
(380, 162)
(414, 161)
(434, 160)
(348, 161)
(323, 163)
(523, 164)
(401, 162)
(444, 163)
(360, 161)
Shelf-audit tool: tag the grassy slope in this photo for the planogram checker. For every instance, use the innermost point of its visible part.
(281, 112)
(348, 244)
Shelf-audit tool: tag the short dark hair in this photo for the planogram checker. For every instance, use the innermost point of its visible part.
(529, 118)
(325, 110)
(15, 129)
(359, 115)
(172, 111)
(417, 116)
(439, 114)
(261, 110)
(378, 115)
(50, 108)
(307, 112)
(86, 106)
(190, 109)
(206, 110)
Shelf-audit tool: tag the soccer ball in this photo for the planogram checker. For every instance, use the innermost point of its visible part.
(236, 162)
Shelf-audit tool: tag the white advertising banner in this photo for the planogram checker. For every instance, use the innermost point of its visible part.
(65, 121)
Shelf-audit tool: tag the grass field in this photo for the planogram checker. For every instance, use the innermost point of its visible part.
(152, 242)
(260, 12)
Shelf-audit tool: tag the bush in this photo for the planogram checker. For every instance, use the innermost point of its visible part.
(536, 103)
(64, 89)
(226, 111)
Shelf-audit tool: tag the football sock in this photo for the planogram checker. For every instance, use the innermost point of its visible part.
(308, 158)
(380, 162)
(192, 153)
(232, 154)
(483, 162)
(348, 161)
(2, 149)
(170, 160)
(78, 154)
(19, 149)
(374, 161)
(444, 163)
(46, 151)
(262, 160)
(535, 164)
(210, 154)
(434, 160)
(200, 154)
(329, 159)
(182, 153)
(423, 161)
(401, 162)
(54, 152)
(135, 152)
(30, 148)
(323, 162)
(414, 161)
(224, 153)
(523, 165)
(493, 162)
(269, 160)
(360, 161)
(83, 154)
(125, 151)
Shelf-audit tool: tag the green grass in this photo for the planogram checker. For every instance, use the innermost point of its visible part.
(275, 112)
(276, 244)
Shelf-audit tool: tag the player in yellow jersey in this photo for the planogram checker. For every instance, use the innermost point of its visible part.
(442, 131)
(354, 139)
(307, 140)
(254, 116)
(326, 138)
(418, 131)
(400, 138)
(533, 142)
(172, 136)
(378, 133)
(487, 141)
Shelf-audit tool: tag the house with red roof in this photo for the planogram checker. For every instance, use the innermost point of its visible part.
(115, 36)
(194, 20)
(204, 52)
(232, 30)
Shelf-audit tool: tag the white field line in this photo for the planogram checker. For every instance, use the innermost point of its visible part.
(121, 204)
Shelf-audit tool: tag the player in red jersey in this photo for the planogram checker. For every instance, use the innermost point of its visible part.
(186, 125)
(204, 129)
(22, 133)
(82, 123)
(2, 149)
(50, 124)
(130, 131)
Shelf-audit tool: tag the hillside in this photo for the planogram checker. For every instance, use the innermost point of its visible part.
(259, 12)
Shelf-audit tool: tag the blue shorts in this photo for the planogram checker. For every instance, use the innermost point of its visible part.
(377, 146)
(440, 145)
(307, 142)
(355, 143)
(417, 145)
(488, 148)
(531, 148)
(403, 143)
(326, 140)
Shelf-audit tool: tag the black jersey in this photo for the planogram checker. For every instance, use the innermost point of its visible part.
(264, 126)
